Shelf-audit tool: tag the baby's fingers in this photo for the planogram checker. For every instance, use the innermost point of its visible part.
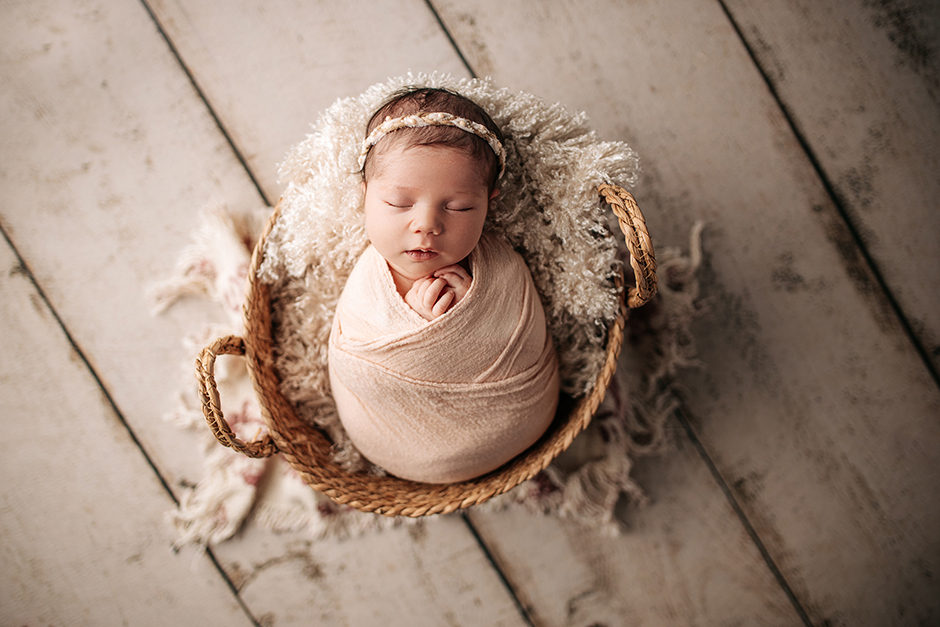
(420, 287)
(433, 293)
(455, 269)
(455, 275)
(443, 304)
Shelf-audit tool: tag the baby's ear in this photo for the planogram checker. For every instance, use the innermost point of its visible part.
(493, 195)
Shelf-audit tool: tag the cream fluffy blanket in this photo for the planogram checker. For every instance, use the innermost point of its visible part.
(452, 398)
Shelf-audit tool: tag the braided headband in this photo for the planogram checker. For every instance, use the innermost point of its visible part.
(419, 120)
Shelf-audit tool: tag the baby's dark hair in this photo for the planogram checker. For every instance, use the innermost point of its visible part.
(414, 100)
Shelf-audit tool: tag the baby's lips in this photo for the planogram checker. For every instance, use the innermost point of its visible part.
(419, 254)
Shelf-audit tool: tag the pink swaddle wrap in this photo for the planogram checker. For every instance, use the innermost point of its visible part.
(448, 399)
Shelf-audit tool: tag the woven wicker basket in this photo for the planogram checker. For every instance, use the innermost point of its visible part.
(308, 450)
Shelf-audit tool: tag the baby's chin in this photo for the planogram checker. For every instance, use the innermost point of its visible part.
(415, 271)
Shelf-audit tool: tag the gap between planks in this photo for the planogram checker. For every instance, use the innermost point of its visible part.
(117, 412)
(510, 588)
(450, 38)
(202, 97)
(836, 199)
(681, 415)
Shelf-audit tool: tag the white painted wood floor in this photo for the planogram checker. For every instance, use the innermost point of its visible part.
(804, 485)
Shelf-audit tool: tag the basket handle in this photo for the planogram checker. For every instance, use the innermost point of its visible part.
(209, 395)
(642, 258)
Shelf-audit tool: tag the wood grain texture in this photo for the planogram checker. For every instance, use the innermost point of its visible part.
(861, 81)
(268, 69)
(80, 508)
(107, 153)
(684, 559)
(813, 405)
(430, 573)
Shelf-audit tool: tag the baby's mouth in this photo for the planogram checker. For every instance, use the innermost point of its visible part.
(421, 254)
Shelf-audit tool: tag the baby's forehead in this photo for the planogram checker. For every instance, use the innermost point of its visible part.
(456, 157)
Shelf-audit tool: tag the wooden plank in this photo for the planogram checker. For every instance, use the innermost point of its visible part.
(861, 80)
(683, 560)
(107, 150)
(106, 154)
(430, 575)
(812, 404)
(269, 68)
(80, 508)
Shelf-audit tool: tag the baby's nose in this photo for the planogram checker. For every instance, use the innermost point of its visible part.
(427, 220)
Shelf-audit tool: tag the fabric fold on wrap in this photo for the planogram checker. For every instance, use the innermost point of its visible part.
(449, 399)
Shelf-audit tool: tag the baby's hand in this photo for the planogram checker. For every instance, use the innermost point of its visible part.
(430, 297)
(433, 295)
(458, 280)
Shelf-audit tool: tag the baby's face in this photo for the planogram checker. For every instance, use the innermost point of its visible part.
(425, 209)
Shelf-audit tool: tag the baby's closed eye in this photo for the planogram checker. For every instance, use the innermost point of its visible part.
(399, 204)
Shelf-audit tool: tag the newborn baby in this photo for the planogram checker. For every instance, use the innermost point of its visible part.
(441, 364)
